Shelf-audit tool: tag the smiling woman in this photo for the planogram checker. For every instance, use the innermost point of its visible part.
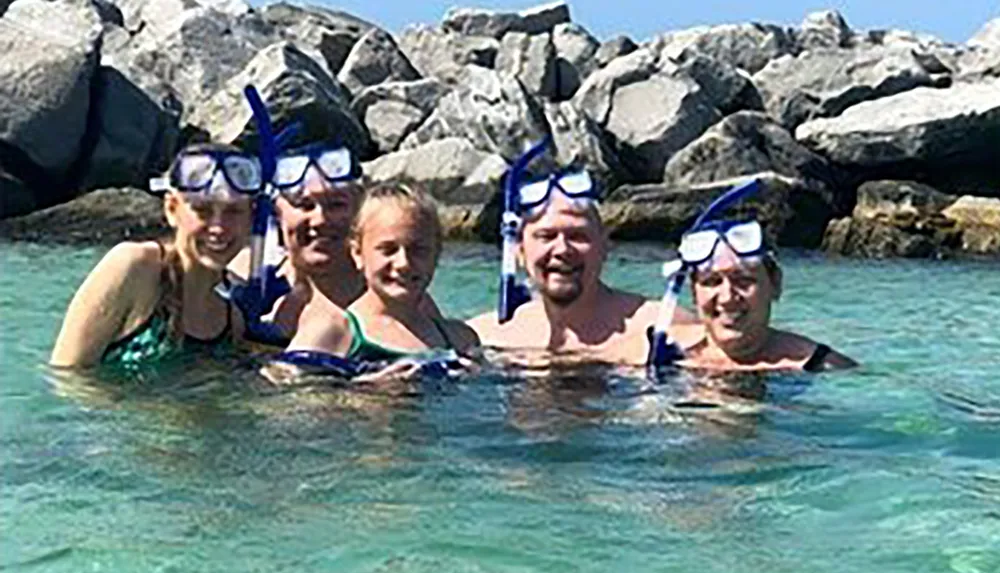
(146, 301)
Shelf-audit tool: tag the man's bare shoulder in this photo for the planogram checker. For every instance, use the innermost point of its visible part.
(514, 333)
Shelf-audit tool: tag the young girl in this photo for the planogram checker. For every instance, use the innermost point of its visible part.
(148, 300)
(395, 243)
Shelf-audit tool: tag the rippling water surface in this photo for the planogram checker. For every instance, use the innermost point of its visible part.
(892, 467)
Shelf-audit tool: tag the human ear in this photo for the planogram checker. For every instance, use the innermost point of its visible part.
(356, 254)
(171, 203)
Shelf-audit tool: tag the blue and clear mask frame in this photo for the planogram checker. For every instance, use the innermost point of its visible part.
(663, 351)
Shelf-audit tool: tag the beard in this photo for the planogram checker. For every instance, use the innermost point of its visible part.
(564, 295)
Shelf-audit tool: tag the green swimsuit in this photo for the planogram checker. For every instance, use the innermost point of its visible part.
(151, 341)
(365, 350)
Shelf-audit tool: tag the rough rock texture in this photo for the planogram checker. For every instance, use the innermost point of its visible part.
(792, 211)
(443, 54)
(375, 59)
(578, 141)
(107, 216)
(651, 115)
(824, 83)
(135, 137)
(747, 46)
(928, 130)
(295, 88)
(392, 110)
(153, 15)
(824, 30)
(187, 61)
(476, 22)
(988, 36)
(575, 51)
(895, 219)
(48, 57)
(611, 49)
(313, 29)
(729, 89)
(748, 143)
(492, 111)
(532, 60)
(450, 169)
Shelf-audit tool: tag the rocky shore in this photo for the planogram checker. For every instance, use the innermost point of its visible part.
(870, 143)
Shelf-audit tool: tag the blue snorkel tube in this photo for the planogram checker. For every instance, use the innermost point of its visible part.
(512, 292)
(663, 351)
(264, 287)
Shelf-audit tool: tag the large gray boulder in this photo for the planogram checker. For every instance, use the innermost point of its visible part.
(730, 89)
(375, 59)
(933, 128)
(189, 60)
(613, 48)
(988, 36)
(295, 88)
(579, 141)
(650, 114)
(824, 30)
(532, 60)
(794, 213)
(575, 57)
(477, 22)
(451, 169)
(823, 83)
(444, 54)
(748, 143)
(746, 46)
(107, 216)
(134, 137)
(48, 58)
(492, 111)
(156, 15)
(315, 29)
(977, 63)
(392, 110)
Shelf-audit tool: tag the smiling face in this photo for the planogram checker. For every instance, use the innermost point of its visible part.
(733, 297)
(395, 250)
(210, 229)
(563, 251)
(316, 221)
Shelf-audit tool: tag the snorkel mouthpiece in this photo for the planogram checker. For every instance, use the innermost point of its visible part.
(513, 293)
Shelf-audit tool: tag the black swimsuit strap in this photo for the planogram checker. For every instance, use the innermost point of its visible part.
(815, 362)
(444, 333)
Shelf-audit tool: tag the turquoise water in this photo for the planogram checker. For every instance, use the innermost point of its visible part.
(893, 467)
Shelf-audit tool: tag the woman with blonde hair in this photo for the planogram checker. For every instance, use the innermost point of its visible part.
(146, 301)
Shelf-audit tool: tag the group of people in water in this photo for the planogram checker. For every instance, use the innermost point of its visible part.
(359, 258)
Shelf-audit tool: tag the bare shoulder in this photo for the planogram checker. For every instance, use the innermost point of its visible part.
(514, 333)
(322, 326)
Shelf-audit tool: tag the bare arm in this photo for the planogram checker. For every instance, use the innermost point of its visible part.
(102, 304)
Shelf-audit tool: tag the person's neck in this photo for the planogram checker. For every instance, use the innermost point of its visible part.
(580, 312)
(340, 282)
(406, 312)
(749, 352)
(198, 280)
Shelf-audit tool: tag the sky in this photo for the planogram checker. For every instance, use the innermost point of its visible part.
(954, 20)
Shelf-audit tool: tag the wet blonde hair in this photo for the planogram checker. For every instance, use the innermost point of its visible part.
(408, 198)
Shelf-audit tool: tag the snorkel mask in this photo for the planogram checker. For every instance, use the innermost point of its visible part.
(698, 246)
(195, 171)
(527, 197)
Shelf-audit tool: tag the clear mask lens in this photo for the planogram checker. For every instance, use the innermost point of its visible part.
(244, 172)
(290, 170)
(335, 164)
(576, 184)
(194, 171)
(534, 193)
(746, 238)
